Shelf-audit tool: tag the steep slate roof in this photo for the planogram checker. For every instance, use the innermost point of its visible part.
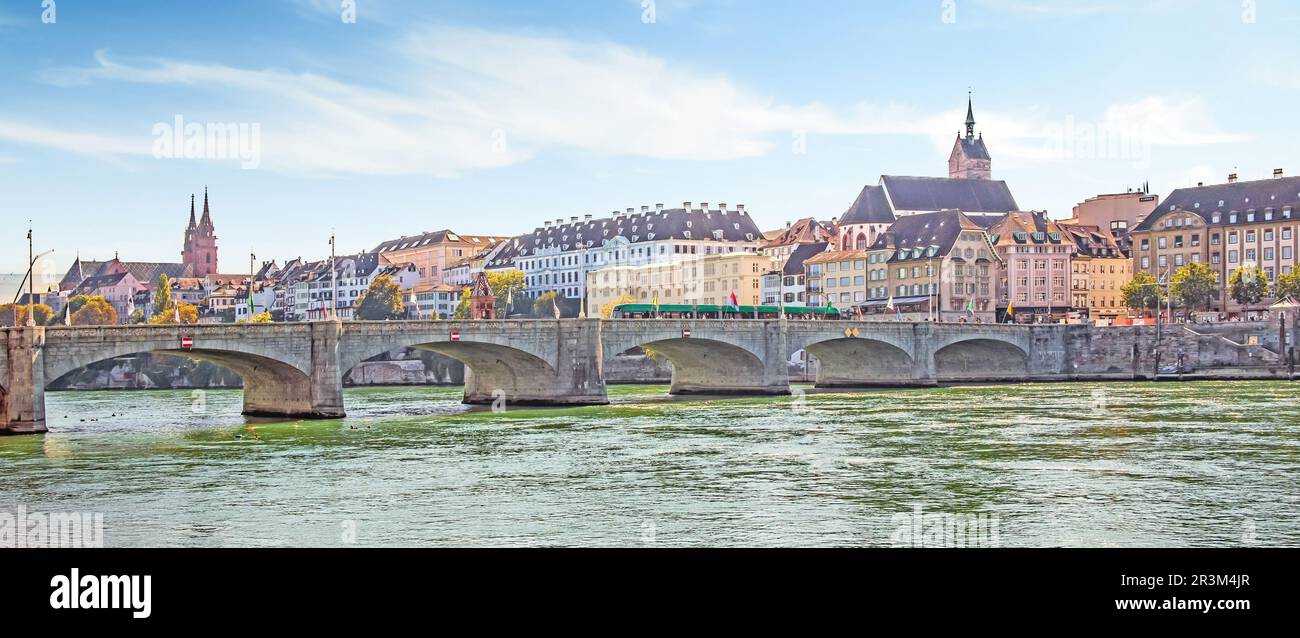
(943, 193)
(78, 272)
(1092, 241)
(146, 273)
(939, 229)
(1241, 197)
(794, 264)
(974, 148)
(871, 207)
(438, 237)
(91, 284)
(803, 231)
(1037, 227)
(636, 227)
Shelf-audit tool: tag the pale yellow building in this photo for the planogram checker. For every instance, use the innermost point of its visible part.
(707, 280)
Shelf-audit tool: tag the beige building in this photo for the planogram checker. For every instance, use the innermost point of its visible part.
(836, 277)
(1228, 226)
(434, 253)
(1115, 212)
(707, 280)
(1099, 269)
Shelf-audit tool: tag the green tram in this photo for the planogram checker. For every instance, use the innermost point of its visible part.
(669, 311)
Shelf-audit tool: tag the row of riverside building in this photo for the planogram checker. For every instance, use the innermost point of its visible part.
(955, 248)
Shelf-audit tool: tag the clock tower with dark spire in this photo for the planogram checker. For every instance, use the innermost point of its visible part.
(200, 253)
(970, 157)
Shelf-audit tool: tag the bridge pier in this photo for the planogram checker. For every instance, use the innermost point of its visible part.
(272, 390)
(22, 386)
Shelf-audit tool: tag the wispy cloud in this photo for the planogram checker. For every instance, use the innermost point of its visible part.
(473, 100)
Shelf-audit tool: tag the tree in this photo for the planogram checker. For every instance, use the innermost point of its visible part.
(95, 311)
(137, 316)
(1142, 292)
(462, 307)
(507, 285)
(607, 310)
(1248, 285)
(189, 313)
(382, 301)
(1288, 285)
(542, 306)
(75, 303)
(16, 314)
(162, 298)
(264, 317)
(1195, 285)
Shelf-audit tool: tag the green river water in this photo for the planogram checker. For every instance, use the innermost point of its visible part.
(1168, 464)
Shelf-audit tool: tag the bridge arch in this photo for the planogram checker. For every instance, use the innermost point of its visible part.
(981, 359)
(516, 361)
(708, 357)
(276, 383)
(847, 362)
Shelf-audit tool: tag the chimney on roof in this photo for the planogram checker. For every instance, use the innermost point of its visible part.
(686, 205)
(722, 207)
(740, 207)
(659, 208)
(573, 219)
(645, 209)
(1277, 173)
(835, 221)
(704, 206)
(787, 225)
(546, 224)
(630, 210)
(587, 217)
(1199, 184)
(1232, 179)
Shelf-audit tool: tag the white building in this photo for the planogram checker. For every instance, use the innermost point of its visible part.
(557, 256)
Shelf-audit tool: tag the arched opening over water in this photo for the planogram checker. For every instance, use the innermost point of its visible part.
(706, 366)
(861, 362)
(271, 388)
(981, 360)
(493, 371)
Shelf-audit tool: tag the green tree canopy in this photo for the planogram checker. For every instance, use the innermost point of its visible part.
(1195, 285)
(16, 314)
(382, 301)
(1248, 285)
(1142, 292)
(162, 297)
(462, 307)
(508, 285)
(542, 308)
(189, 313)
(1288, 285)
(95, 311)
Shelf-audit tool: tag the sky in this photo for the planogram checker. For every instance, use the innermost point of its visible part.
(373, 119)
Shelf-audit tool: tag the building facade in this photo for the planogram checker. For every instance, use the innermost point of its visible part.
(1036, 279)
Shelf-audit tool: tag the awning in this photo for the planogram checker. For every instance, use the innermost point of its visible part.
(900, 301)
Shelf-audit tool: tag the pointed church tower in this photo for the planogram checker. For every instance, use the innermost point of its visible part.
(200, 252)
(970, 157)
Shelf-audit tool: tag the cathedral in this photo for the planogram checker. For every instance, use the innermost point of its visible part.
(200, 253)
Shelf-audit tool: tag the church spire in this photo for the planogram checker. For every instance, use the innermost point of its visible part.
(192, 224)
(207, 216)
(970, 115)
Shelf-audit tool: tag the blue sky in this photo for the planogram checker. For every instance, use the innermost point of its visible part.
(491, 116)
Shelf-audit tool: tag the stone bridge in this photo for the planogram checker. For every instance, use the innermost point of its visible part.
(296, 369)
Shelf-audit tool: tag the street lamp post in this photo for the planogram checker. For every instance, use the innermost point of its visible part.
(31, 281)
(334, 283)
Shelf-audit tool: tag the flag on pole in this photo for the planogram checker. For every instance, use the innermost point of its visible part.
(889, 305)
(555, 306)
(970, 307)
(655, 301)
(67, 315)
(582, 308)
(735, 305)
(176, 312)
(1011, 312)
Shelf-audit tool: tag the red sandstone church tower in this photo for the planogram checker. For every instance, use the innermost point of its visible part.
(200, 253)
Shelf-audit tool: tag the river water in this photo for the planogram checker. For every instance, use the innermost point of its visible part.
(1169, 464)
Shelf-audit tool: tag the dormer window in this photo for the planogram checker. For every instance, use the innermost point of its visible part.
(686, 234)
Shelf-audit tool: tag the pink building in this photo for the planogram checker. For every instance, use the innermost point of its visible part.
(1036, 256)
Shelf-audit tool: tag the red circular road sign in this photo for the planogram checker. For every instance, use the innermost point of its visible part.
(455, 335)
(187, 342)
(686, 333)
